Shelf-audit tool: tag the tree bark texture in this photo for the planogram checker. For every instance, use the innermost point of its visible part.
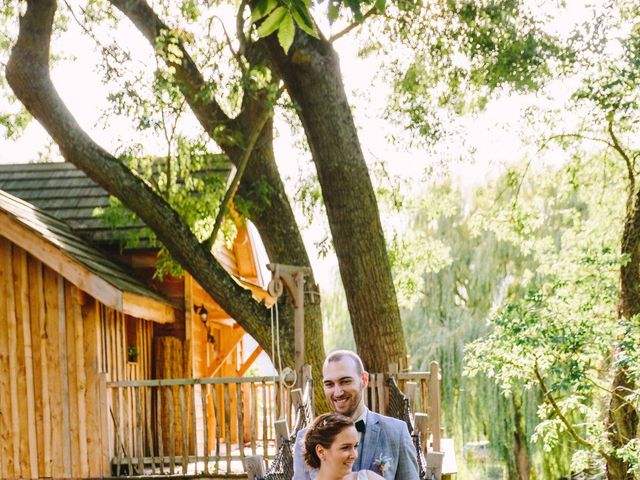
(622, 416)
(312, 76)
(521, 450)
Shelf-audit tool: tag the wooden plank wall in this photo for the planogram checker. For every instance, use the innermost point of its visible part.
(51, 420)
(128, 438)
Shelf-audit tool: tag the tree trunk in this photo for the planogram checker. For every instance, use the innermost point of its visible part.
(313, 79)
(521, 451)
(622, 416)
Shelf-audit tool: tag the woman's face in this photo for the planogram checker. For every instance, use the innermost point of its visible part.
(342, 453)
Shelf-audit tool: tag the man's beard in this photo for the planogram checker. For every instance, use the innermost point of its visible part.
(352, 405)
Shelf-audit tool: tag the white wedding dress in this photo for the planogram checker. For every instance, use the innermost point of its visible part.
(362, 475)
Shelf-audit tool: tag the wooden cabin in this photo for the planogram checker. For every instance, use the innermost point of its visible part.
(82, 320)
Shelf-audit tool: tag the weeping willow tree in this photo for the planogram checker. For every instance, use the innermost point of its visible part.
(502, 241)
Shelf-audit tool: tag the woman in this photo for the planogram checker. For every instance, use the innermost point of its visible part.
(331, 446)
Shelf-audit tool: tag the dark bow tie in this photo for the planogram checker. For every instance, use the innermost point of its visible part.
(360, 426)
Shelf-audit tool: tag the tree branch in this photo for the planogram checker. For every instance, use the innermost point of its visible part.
(236, 55)
(629, 163)
(28, 75)
(372, 11)
(569, 426)
(575, 135)
(231, 191)
(242, 38)
(190, 80)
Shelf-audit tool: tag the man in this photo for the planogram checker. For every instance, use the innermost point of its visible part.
(385, 444)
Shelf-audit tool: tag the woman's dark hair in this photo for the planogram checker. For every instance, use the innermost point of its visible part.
(323, 431)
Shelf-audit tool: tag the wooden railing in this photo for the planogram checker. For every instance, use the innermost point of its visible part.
(193, 426)
(423, 392)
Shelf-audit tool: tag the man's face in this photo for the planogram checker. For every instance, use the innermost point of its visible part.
(344, 388)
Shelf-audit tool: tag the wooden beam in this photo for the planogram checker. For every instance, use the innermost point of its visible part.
(243, 250)
(249, 361)
(147, 308)
(231, 343)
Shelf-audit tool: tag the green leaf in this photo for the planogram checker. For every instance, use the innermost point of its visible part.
(334, 11)
(304, 21)
(286, 33)
(263, 8)
(272, 22)
(380, 4)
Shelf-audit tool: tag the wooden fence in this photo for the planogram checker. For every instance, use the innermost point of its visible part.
(193, 426)
(423, 391)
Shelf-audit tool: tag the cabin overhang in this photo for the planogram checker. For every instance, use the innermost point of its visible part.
(81, 276)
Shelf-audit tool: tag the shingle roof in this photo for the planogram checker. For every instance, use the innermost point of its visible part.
(68, 194)
(64, 192)
(62, 236)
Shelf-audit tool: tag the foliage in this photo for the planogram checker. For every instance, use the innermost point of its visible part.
(536, 237)
(458, 55)
(193, 182)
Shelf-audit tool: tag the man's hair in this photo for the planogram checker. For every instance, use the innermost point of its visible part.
(323, 431)
(338, 355)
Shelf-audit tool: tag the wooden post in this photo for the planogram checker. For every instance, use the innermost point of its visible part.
(140, 446)
(171, 437)
(296, 398)
(227, 425)
(159, 428)
(253, 417)
(409, 390)
(434, 404)
(254, 466)
(434, 464)
(383, 394)
(205, 425)
(422, 426)
(148, 428)
(240, 419)
(307, 387)
(265, 425)
(216, 414)
(282, 431)
(185, 430)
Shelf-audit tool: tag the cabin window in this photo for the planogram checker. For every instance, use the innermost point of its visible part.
(131, 337)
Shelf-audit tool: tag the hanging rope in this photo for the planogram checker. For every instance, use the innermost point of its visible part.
(287, 376)
(276, 354)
